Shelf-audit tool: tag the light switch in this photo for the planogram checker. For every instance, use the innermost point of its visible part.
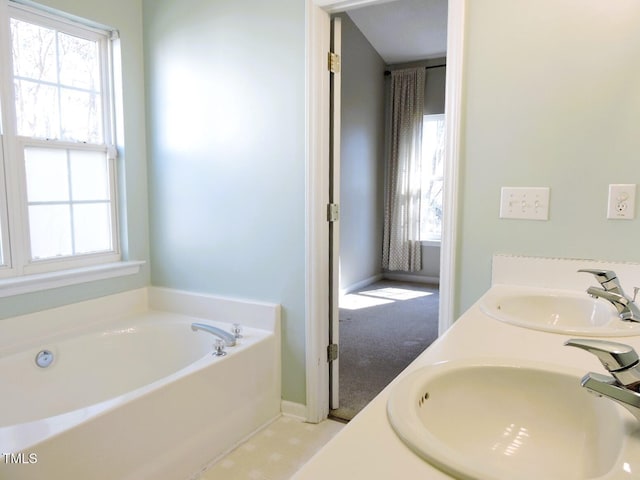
(531, 203)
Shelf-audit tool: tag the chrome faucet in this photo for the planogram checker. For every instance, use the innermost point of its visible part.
(612, 291)
(228, 338)
(621, 361)
(607, 278)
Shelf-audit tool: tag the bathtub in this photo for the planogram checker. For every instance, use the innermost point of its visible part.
(132, 392)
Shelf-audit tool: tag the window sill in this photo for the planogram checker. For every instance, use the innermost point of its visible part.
(64, 278)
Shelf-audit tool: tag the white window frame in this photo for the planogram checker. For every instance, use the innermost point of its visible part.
(5, 254)
(16, 265)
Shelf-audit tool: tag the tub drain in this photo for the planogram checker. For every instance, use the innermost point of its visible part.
(44, 358)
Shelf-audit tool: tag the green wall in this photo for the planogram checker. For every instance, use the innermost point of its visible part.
(361, 157)
(551, 98)
(226, 110)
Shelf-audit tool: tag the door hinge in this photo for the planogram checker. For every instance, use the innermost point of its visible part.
(333, 212)
(332, 352)
(334, 62)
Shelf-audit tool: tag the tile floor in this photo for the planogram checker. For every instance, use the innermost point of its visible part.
(275, 452)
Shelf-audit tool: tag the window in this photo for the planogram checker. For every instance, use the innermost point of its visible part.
(432, 177)
(58, 159)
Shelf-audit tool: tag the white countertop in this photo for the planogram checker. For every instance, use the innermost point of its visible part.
(368, 447)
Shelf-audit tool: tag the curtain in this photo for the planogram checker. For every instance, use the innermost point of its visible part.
(401, 248)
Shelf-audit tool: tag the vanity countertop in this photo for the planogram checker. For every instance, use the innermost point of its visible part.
(368, 447)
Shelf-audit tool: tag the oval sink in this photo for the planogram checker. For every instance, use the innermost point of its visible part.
(555, 311)
(502, 421)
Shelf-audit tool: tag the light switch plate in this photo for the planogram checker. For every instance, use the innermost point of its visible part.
(622, 201)
(530, 203)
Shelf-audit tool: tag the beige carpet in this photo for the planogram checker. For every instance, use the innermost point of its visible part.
(383, 328)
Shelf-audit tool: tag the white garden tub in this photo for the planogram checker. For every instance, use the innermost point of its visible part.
(134, 393)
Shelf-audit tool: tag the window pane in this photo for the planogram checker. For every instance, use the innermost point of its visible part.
(92, 227)
(89, 175)
(61, 221)
(79, 62)
(433, 146)
(431, 221)
(432, 177)
(80, 116)
(37, 110)
(57, 84)
(47, 174)
(34, 51)
(50, 229)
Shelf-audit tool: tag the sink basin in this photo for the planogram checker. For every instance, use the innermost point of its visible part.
(499, 420)
(557, 311)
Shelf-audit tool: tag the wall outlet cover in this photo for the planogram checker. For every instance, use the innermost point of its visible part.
(622, 201)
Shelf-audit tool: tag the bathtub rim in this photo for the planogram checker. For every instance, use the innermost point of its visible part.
(29, 330)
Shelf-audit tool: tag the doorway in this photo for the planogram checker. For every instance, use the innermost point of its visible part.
(389, 308)
(318, 27)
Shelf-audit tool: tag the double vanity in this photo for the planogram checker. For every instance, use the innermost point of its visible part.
(536, 380)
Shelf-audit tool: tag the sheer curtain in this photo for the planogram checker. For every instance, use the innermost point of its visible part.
(401, 249)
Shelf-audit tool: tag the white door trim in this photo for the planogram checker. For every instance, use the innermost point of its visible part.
(334, 228)
(453, 120)
(317, 187)
(317, 197)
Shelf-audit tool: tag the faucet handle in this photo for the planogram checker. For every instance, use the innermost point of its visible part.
(608, 279)
(236, 329)
(218, 348)
(613, 356)
(601, 275)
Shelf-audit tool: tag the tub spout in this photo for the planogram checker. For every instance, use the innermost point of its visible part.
(228, 338)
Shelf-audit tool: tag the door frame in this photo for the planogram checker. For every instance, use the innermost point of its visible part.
(317, 187)
(334, 226)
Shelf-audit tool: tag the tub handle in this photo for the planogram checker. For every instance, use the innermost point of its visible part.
(236, 329)
(218, 348)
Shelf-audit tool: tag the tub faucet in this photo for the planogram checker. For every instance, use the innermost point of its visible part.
(621, 361)
(228, 338)
(612, 291)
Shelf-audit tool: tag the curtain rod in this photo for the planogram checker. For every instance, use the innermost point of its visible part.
(388, 72)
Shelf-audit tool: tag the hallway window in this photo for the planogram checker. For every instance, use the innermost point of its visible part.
(432, 178)
(57, 143)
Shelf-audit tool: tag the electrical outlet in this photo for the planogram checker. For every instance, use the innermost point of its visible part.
(622, 201)
(530, 203)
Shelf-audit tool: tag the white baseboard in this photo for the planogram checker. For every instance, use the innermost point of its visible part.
(407, 277)
(361, 284)
(292, 409)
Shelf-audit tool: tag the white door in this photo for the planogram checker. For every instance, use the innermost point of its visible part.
(333, 213)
